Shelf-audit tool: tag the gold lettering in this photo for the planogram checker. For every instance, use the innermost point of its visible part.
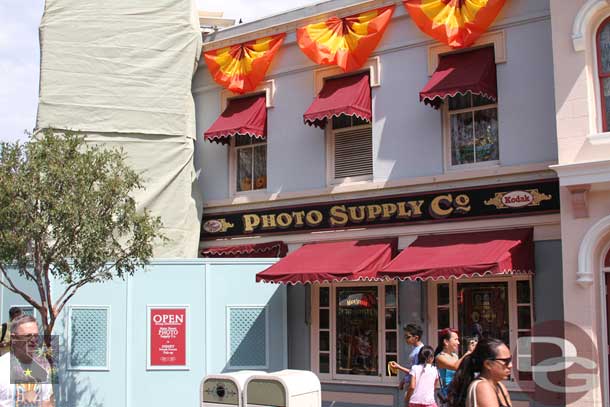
(403, 213)
(269, 221)
(440, 207)
(284, 220)
(389, 209)
(298, 218)
(373, 212)
(462, 204)
(416, 208)
(357, 218)
(314, 218)
(338, 216)
(251, 222)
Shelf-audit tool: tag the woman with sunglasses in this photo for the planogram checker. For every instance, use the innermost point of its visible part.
(478, 381)
(447, 360)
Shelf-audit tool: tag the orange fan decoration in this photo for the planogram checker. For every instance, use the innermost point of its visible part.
(241, 67)
(457, 23)
(345, 42)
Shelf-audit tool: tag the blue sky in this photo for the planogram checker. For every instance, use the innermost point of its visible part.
(20, 54)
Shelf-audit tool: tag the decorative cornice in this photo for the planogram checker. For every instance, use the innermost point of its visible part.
(591, 172)
(583, 20)
(580, 201)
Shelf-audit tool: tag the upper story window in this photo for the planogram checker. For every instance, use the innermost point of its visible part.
(345, 103)
(250, 161)
(243, 125)
(351, 144)
(464, 85)
(473, 129)
(603, 69)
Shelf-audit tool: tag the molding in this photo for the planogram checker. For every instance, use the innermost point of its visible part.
(105, 368)
(599, 138)
(580, 202)
(267, 86)
(497, 38)
(586, 253)
(591, 172)
(373, 65)
(228, 355)
(583, 20)
(470, 177)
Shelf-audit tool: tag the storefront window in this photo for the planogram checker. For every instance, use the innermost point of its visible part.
(356, 331)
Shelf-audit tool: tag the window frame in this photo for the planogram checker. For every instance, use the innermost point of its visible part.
(330, 133)
(69, 338)
(600, 75)
(233, 167)
(433, 327)
(447, 142)
(332, 377)
(264, 310)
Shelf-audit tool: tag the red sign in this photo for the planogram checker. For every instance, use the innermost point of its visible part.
(167, 337)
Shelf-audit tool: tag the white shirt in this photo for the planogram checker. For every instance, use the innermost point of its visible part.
(425, 378)
(9, 391)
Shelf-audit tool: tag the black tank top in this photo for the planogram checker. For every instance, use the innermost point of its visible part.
(505, 403)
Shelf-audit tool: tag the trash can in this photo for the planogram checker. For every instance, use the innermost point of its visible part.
(286, 388)
(224, 390)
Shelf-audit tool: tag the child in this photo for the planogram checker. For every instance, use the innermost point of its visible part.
(424, 379)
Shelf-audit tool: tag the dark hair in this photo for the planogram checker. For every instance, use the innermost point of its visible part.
(486, 349)
(414, 330)
(14, 312)
(20, 320)
(424, 354)
(443, 335)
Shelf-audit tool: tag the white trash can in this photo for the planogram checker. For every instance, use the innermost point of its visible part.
(286, 388)
(225, 390)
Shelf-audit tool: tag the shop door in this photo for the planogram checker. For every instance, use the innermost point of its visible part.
(482, 311)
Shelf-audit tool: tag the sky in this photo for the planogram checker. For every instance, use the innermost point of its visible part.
(20, 53)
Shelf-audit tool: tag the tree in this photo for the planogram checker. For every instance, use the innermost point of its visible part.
(66, 212)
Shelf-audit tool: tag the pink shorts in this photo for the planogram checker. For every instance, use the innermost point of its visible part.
(422, 405)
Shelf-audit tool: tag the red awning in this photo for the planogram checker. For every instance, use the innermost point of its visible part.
(244, 116)
(348, 95)
(333, 261)
(472, 71)
(440, 257)
(270, 249)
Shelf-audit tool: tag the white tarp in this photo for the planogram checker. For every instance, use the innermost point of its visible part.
(119, 66)
(166, 165)
(120, 73)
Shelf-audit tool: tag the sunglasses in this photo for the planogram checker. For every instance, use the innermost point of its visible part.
(505, 361)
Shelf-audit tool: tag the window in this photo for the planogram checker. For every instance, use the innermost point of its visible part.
(351, 149)
(250, 160)
(355, 331)
(603, 68)
(473, 130)
(88, 336)
(497, 307)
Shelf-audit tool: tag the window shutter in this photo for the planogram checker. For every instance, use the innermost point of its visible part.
(354, 152)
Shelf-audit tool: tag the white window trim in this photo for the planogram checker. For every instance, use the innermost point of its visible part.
(449, 167)
(228, 336)
(332, 377)
(330, 156)
(373, 65)
(268, 87)
(605, 369)
(187, 338)
(105, 368)
(453, 310)
(233, 171)
(597, 122)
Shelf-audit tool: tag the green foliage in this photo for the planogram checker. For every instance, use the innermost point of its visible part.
(66, 210)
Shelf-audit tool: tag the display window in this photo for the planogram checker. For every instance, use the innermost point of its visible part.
(355, 331)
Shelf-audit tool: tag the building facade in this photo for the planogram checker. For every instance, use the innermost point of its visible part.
(369, 205)
(580, 49)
